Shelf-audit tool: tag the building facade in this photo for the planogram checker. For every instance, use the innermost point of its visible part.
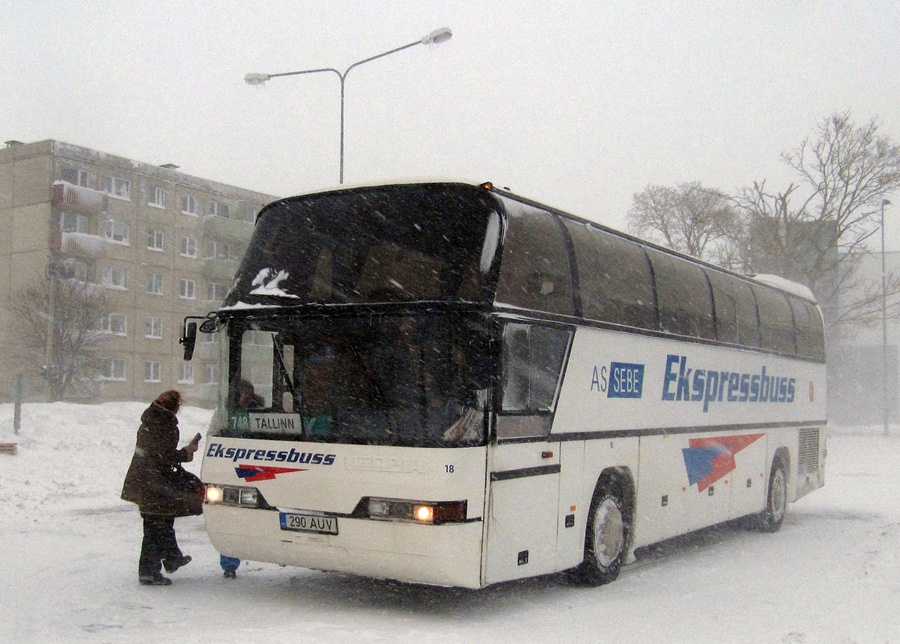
(161, 243)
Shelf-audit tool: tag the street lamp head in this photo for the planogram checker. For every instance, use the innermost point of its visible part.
(885, 202)
(256, 79)
(437, 36)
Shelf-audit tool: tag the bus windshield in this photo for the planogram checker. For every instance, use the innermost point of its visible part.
(385, 244)
(374, 379)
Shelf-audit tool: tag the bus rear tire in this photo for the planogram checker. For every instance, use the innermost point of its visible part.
(770, 519)
(607, 537)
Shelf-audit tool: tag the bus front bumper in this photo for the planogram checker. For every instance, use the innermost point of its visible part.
(443, 555)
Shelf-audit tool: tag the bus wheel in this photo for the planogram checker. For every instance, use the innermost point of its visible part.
(770, 519)
(606, 538)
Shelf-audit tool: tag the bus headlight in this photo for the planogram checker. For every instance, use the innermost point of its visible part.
(249, 496)
(424, 513)
(246, 497)
(417, 511)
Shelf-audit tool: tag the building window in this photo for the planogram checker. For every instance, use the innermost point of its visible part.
(76, 176)
(218, 250)
(190, 205)
(188, 289)
(151, 371)
(218, 209)
(153, 327)
(72, 269)
(154, 283)
(212, 374)
(117, 232)
(112, 369)
(188, 246)
(156, 197)
(217, 292)
(186, 375)
(71, 222)
(117, 187)
(156, 240)
(115, 277)
(113, 323)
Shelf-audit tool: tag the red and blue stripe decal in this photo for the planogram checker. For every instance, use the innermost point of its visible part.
(251, 473)
(709, 459)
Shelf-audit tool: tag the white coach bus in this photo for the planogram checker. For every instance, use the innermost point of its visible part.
(449, 384)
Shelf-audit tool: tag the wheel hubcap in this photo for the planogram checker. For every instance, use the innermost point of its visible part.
(779, 495)
(609, 532)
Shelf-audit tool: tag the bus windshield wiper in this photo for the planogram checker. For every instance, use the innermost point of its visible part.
(279, 351)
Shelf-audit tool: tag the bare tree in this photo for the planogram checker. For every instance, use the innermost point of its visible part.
(816, 231)
(689, 218)
(74, 310)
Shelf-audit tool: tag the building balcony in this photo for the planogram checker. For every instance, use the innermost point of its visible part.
(220, 270)
(81, 245)
(79, 197)
(228, 228)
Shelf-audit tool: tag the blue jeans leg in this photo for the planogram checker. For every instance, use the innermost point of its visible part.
(229, 563)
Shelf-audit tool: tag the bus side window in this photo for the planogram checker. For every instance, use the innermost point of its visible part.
(534, 269)
(533, 359)
(776, 321)
(516, 384)
(808, 325)
(615, 279)
(685, 303)
(735, 307)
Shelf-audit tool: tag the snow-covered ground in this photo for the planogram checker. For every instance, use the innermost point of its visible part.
(70, 547)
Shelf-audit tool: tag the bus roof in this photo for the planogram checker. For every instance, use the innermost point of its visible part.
(465, 196)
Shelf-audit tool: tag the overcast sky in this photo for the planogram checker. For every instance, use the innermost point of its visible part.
(575, 104)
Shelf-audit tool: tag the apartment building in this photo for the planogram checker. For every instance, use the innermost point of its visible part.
(163, 245)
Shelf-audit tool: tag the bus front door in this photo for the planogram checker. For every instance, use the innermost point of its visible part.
(521, 518)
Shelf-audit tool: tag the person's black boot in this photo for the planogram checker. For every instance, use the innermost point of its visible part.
(174, 563)
(154, 580)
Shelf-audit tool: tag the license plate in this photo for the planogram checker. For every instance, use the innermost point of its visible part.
(302, 522)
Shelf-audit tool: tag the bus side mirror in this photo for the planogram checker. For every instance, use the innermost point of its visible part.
(209, 325)
(189, 339)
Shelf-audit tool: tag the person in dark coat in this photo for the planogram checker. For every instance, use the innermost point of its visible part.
(161, 488)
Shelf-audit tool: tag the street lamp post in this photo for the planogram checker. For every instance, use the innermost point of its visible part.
(884, 342)
(434, 38)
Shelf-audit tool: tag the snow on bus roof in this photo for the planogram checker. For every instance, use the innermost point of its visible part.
(239, 306)
(785, 285)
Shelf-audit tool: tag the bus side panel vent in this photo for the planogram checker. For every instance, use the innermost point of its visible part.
(808, 452)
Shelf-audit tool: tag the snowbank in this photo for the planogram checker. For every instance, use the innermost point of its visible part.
(70, 548)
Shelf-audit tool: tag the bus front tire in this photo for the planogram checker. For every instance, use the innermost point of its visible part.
(606, 538)
(770, 519)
